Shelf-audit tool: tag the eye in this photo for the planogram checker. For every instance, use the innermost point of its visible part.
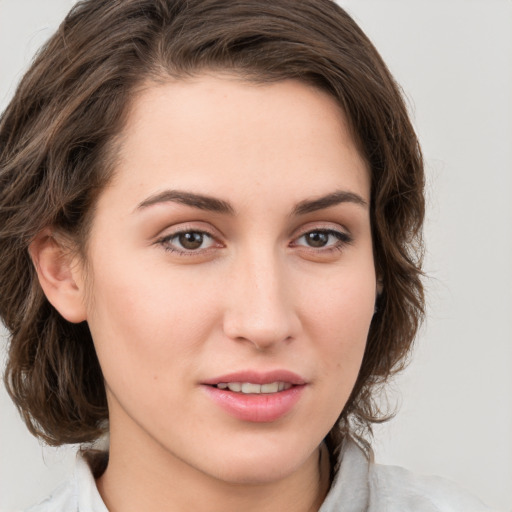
(187, 241)
(323, 239)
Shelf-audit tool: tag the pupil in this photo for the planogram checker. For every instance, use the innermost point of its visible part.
(317, 239)
(191, 240)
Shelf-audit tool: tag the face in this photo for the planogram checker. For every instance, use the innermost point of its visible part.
(231, 280)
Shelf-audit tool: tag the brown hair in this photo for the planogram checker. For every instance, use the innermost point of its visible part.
(56, 138)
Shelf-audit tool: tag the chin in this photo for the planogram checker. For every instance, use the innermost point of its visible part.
(259, 466)
(249, 474)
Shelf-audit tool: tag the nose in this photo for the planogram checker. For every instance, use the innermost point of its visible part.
(261, 308)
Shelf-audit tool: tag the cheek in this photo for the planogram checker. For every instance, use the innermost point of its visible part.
(343, 305)
(149, 337)
(339, 337)
(339, 319)
(146, 322)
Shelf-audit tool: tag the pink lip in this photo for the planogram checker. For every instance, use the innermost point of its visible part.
(257, 408)
(258, 377)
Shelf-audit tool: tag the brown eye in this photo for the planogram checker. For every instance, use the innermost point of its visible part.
(317, 238)
(188, 242)
(324, 239)
(191, 240)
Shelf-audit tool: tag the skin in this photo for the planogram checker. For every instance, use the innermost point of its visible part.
(254, 295)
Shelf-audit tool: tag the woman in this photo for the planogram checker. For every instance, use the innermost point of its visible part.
(213, 212)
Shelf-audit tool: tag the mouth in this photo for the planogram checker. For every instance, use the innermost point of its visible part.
(256, 397)
(251, 388)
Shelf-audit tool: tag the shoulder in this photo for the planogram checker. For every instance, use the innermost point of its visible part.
(65, 497)
(393, 488)
(78, 493)
(362, 486)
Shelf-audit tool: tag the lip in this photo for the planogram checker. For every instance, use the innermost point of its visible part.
(256, 408)
(258, 377)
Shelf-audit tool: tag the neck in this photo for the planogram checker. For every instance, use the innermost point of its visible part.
(143, 477)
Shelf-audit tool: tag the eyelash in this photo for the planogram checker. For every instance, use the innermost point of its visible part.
(165, 242)
(343, 239)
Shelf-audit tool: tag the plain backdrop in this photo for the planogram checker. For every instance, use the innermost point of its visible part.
(453, 59)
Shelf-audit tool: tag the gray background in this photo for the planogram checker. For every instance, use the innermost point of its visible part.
(454, 61)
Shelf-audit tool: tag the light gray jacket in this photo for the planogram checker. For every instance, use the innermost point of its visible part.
(359, 486)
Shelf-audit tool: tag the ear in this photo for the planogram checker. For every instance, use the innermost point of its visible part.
(59, 274)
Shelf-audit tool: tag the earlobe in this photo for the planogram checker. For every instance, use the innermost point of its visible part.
(58, 276)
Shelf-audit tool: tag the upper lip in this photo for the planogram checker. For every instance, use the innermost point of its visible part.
(258, 377)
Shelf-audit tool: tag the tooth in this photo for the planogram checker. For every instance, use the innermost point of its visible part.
(273, 387)
(249, 387)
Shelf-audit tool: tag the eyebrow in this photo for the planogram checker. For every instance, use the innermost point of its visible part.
(333, 199)
(212, 204)
(199, 201)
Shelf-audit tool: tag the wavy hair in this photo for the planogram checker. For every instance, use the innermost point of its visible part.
(57, 152)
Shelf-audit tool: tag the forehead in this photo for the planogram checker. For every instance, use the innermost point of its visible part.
(218, 134)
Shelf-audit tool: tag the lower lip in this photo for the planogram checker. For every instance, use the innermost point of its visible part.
(257, 408)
